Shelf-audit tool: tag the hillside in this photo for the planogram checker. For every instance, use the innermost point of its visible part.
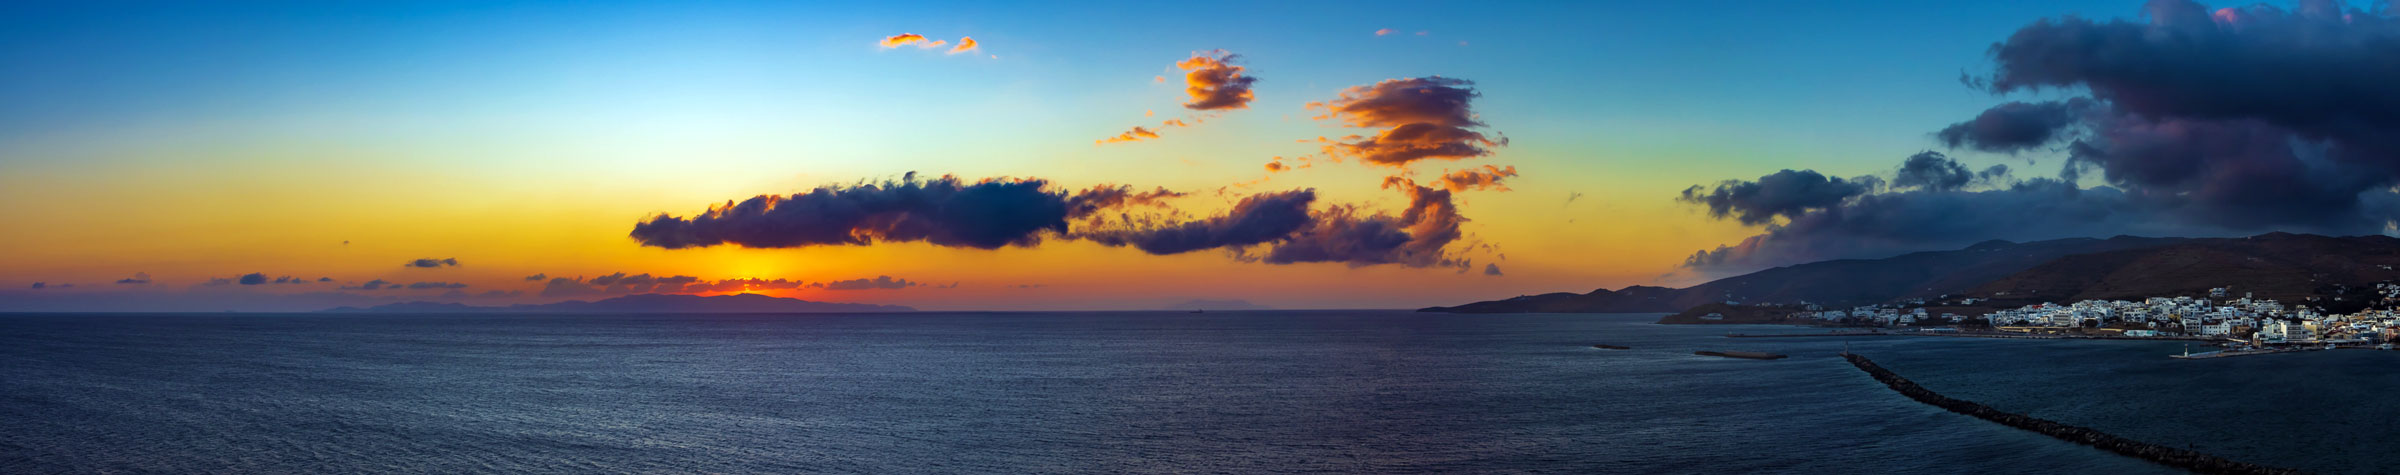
(2291, 268)
(1842, 282)
(2326, 272)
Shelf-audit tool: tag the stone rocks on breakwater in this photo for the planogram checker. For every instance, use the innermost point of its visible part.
(2169, 456)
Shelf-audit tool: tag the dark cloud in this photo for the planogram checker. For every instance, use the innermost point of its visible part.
(253, 278)
(2246, 118)
(1993, 174)
(1788, 193)
(2017, 126)
(1881, 224)
(1491, 269)
(536, 277)
(945, 211)
(1422, 118)
(1104, 197)
(324, 279)
(998, 213)
(1878, 224)
(2320, 68)
(1281, 228)
(990, 214)
(1932, 171)
(139, 278)
(370, 285)
(1214, 82)
(881, 282)
(431, 263)
(1256, 219)
(40, 285)
(1417, 237)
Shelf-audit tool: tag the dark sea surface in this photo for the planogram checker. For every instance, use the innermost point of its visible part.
(1244, 392)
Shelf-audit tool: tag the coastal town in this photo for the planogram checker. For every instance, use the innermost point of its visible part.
(2244, 324)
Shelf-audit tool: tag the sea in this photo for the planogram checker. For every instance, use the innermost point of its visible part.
(1373, 391)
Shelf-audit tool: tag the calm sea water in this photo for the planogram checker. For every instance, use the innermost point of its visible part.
(1364, 391)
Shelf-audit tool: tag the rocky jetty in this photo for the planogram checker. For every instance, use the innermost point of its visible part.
(1748, 355)
(2168, 456)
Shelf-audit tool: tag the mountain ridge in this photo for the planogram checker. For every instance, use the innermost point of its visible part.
(2322, 271)
(1838, 282)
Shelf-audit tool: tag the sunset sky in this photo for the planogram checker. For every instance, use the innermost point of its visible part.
(152, 156)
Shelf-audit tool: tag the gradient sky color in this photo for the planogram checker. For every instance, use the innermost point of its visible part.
(191, 141)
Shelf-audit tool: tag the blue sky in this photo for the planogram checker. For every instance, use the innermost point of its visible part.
(538, 132)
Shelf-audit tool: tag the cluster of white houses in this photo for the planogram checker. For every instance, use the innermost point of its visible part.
(2262, 320)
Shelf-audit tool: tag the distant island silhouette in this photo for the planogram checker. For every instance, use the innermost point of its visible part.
(1217, 304)
(642, 303)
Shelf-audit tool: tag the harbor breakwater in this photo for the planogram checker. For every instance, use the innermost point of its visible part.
(2169, 456)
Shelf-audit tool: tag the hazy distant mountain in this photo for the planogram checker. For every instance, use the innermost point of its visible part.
(1834, 283)
(1217, 304)
(644, 303)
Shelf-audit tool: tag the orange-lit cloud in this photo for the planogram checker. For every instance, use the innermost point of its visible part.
(903, 39)
(1136, 135)
(1140, 133)
(1486, 178)
(965, 44)
(1214, 83)
(1385, 31)
(1277, 164)
(1422, 118)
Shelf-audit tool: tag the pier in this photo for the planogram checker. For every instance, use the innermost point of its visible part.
(2173, 457)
